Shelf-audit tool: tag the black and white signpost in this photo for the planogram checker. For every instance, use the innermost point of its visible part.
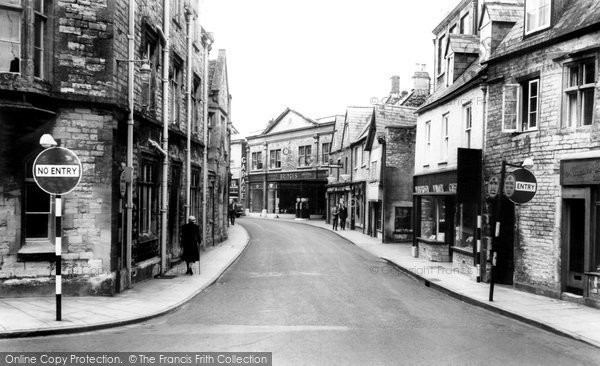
(57, 171)
(520, 187)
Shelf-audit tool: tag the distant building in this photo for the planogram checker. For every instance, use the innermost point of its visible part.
(238, 168)
(287, 165)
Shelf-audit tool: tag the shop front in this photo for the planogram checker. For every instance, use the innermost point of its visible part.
(580, 230)
(288, 192)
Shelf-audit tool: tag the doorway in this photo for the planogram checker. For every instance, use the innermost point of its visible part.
(575, 238)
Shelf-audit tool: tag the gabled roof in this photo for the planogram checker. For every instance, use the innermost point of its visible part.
(415, 98)
(462, 43)
(280, 118)
(576, 16)
(216, 69)
(336, 141)
(506, 11)
(385, 116)
(473, 72)
(354, 123)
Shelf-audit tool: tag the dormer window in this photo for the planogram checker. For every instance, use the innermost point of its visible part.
(537, 15)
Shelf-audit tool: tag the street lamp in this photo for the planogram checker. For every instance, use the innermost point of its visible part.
(528, 164)
(47, 141)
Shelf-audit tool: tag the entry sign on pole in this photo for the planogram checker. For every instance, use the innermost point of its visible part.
(525, 186)
(57, 171)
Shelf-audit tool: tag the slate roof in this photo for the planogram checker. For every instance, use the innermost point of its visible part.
(336, 141)
(576, 16)
(394, 116)
(463, 43)
(356, 120)
(216, 68)
(504, 12)
(475, 70)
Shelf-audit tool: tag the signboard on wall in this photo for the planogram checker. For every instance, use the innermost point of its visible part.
(580, 172)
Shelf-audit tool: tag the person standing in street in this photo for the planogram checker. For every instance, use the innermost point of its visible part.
(343, 213)
(190, 239)
(232, 212)
(334, 217)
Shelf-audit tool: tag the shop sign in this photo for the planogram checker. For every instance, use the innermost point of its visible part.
(509, 185)
(421, 189)
(493, 186)
(293, 176)
(452, 187)
(438, 188)
(580, 172)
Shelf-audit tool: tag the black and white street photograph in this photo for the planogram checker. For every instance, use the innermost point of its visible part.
(284, 182)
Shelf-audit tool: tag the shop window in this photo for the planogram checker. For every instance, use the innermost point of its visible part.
(275, 159)
(325, 147)
(176, 81)
(579, 93)
(304, 156)
(148, 199)
(403, 220)
(257, 160)
(521, 104)
(537, 15)
(38, 209)
(468, 116)
(466, 221)
(433, 218)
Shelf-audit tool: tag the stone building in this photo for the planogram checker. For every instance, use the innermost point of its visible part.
(287, 165)
(64, 71)
(544, 105)
(237, 184)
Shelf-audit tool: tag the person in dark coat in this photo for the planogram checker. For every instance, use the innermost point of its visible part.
(334, 217)
(343, 213)
(231, 213)
(190, 239)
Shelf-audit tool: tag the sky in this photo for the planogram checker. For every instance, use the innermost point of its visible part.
(318, 57)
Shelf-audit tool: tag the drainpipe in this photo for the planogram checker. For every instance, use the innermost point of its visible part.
(482, 252)
(165, 137)
(130, 84)
(207, 42)
(188, 93)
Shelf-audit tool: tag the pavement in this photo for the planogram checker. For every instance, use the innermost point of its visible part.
(36, 316)
(561, 317)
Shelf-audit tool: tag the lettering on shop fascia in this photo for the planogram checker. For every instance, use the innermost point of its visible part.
(436, 188)
(577, 172)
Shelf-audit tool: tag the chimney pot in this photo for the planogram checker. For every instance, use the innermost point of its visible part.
(395, 84)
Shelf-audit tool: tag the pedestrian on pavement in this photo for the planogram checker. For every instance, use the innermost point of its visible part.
(190, 239)
(232, 212)
(334, 217)
(343, 213)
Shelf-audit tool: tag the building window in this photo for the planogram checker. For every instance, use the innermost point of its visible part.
(468, 116)
(465, 24)
(10, 35)
(196, 193)
(38, 209)
(176, 80)
(365, 156)
(196, 97)
(445, 137)
(403, 220)
(257, 160)
(427, 138)
(148, 199)
(356, 162)
(346, 167)
(450, 68)
(579, 89)
(466, 215)
(537, 15)
(453, 29)
(325, 152)
(521, 104)
(433, 218)
(440, 58)
(152, 54)
(373, 174)
(304, 155)
(39, 29)
(275, 159)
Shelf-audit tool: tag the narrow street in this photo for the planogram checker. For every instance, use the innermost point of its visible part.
(313, 298)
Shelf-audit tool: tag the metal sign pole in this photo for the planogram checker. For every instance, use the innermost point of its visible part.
(496, 239)
(58, 248)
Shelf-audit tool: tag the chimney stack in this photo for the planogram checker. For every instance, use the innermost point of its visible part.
(421, 80)
(395, 84)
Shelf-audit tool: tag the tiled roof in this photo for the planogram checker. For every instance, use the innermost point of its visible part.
(336, 141)
(216, 68)
(504, 12)
(578, 14)
(472, 72)
(355, 121)
(463, 43)
(396, 116)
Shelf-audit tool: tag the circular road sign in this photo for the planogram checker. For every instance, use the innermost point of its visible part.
(509, 185)
(493, 185)
(525, 186)
(57, 170)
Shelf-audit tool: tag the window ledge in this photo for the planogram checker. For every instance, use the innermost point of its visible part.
(275, 169)
(463, 250)
(38, 251)
(428, 241)
(305, 167)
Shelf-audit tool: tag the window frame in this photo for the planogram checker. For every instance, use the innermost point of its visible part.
(427, 137)
(401, 230)
(579, 90)
(175, 86)
(522, 109)
(468, 123)
(196, 97)
(445, 143)
(148, 198)
(17, 9)
(275, 159)
(325, 150)
(29, 181)
(539, 28)
(463, 25)
(441, 64)
(304, 153)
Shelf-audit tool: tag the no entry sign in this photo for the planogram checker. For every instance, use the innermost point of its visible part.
(57, 170)
(523, 186)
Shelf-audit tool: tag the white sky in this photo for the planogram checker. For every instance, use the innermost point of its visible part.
(318, 56)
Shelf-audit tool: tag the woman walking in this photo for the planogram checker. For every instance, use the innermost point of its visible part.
(190, 239)
(334, 217)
